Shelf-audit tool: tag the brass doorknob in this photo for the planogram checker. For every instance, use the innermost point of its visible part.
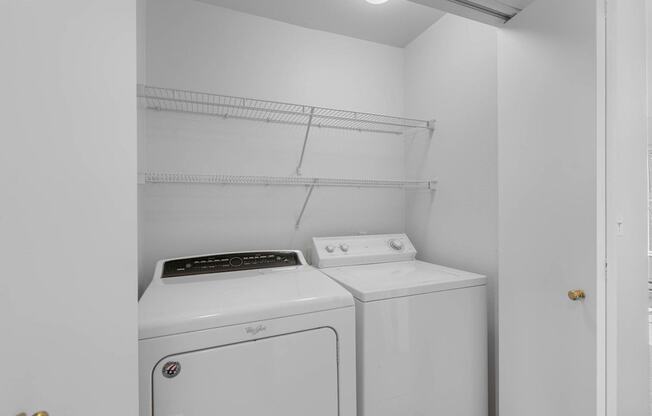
(577, 294)
(41, 413)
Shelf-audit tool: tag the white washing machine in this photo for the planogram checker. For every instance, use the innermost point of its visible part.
(421, 328)
(246, 334)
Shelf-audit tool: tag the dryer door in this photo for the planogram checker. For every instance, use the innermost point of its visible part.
(287, 375)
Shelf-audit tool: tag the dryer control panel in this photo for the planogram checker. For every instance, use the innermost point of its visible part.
(229, 262)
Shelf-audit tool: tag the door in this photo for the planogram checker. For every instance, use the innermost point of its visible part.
(289, 375)
(572, 173)
(68, 337)
(551, 210)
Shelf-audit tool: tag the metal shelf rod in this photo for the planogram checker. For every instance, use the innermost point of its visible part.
(305, 142)
(303, 208)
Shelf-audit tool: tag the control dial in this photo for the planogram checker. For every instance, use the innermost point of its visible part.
(344, 247)
(235, 261)
(396, 244)
(330, 248)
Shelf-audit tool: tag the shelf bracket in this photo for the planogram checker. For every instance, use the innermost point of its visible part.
(303, 208)
(305, 142)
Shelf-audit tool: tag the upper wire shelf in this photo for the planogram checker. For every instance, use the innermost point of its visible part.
(167, 99)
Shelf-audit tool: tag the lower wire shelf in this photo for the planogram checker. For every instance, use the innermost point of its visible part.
(310, 183)
(184, 178)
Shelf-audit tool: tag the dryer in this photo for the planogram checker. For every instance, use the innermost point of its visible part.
(246, 334)
(421, 328)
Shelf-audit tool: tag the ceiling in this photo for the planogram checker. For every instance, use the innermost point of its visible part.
(394, 23)
(493, 12)
(519, 4)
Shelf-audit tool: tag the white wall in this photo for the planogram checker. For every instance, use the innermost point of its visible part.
(196, 46)
(648, 5)
(648, 21)
(450, 72)
(68, 212)
(627, 327)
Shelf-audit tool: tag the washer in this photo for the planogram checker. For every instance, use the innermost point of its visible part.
(421, 328)
(246, 334)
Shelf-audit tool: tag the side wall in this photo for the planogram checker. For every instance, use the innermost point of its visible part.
(195, 46)
(450, 72)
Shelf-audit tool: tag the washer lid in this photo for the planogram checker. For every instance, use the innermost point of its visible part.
(194, 303)
(391, 280)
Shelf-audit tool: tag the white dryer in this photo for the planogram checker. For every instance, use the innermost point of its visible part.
(421, 328)
(246, 334)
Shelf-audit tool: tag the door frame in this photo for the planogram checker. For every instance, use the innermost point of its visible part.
(621, 54)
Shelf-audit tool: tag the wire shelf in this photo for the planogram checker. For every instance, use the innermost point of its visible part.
(183, 178)
(167, 99)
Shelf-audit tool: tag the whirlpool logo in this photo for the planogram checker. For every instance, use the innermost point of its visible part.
(171, 369)
(255, 330)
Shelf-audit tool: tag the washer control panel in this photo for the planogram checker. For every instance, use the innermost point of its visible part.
(361, 249)
(229, 262)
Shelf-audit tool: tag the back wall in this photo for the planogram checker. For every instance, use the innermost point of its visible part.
(195, 46)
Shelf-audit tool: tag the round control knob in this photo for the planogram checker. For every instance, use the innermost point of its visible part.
(330, 248)
(396, 244)
(235, 261)
(344, 247)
